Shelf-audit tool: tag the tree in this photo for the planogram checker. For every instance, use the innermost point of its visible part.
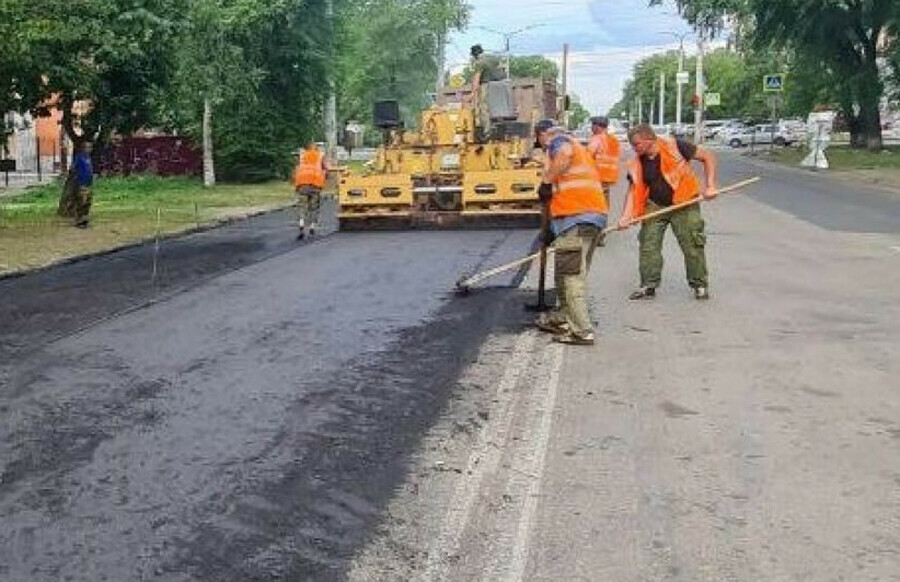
(577, 114)
(846, 39)
(523, 67)
(390, 50)
(211, 68)
(110, 54)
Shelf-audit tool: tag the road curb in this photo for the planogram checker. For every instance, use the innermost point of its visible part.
(217, 223)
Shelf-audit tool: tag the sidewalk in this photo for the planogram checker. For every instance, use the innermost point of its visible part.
(751, 437)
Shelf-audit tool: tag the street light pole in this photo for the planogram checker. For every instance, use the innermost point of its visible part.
(700, 88)
(662, 99)
(331, 103)
(679, 80)
(678, 84)
(506, 38)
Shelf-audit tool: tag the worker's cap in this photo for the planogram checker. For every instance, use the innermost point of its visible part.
(540, 127)
(600, 121)
(543, 125)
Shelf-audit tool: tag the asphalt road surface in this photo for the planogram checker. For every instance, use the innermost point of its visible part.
(271, 410)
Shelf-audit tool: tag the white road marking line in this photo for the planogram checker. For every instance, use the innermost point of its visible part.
(895, 249)
(538, 462)
(484, 460)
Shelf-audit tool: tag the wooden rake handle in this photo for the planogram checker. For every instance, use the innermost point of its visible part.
(467, 282)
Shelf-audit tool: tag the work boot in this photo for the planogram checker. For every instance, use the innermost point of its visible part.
(575, 339)
(549, 324)
(643, 293)
(701, 293)
(82, 224)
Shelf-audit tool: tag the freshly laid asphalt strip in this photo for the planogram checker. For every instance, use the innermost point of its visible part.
(245, 419)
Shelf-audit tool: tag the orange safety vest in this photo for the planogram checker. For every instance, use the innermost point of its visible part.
(675, 169)
(605, 149)
(309, 170)
(578, 190)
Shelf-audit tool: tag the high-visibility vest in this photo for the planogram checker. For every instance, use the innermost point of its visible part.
(675, 170)
(605, 149)
(309, 170)
(578, 190)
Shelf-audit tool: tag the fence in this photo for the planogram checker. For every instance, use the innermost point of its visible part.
(32, 153)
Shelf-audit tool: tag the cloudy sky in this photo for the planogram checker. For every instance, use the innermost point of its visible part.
(606, 38)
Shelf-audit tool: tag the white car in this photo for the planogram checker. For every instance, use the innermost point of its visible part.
(759, 134)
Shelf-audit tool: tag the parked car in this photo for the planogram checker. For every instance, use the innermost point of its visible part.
(759, 134)
(713, 127)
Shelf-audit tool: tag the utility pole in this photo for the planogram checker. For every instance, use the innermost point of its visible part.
(662, 99)
(700, 88)
(331, 103)
(441, 63)
(564, 115)
(640, 108)
(506, 57)
(679, 85)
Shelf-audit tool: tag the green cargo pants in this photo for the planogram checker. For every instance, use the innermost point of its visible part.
(572, 262)
(687, 224)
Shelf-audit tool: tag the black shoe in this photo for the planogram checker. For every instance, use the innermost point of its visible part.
(643, 293)
(83, 224)
(701, 293)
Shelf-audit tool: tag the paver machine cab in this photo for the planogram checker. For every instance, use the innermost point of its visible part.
(469, 163)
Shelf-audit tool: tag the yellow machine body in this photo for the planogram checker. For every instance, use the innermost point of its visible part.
(451, 172)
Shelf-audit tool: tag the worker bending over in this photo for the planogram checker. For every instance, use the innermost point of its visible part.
(660, 176)
(578, 213)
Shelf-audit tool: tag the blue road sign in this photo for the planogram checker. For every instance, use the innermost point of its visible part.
(773, 83)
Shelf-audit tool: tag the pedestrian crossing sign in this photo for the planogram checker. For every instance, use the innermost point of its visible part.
(773, 83)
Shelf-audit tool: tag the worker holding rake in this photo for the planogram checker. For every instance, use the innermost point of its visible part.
(660, 176)
(572, 191)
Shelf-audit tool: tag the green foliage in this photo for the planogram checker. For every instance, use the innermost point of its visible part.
(522, 67)
(265, 65)
(389, 50)
(111, 53)
(844, 40)
(577, 114)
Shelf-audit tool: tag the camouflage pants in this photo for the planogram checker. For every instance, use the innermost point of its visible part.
(574, 254)
(83, 201)
(309, 202)
(688, 226)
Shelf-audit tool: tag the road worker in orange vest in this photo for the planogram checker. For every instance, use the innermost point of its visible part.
(659, 176)
(578, 213)
(310, 176)
(604, 148)
(605, 151)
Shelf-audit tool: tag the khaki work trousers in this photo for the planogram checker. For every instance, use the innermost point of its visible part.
(688, 226)
(575, 250)
(309, 202)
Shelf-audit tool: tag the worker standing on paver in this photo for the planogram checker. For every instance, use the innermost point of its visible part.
(83, 169)
(659, 176)
(578, 212)
(310, 176)
(604, 148)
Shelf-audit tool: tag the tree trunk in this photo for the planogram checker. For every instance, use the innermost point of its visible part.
(68, 197)
(869, 89)
(209, 169)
